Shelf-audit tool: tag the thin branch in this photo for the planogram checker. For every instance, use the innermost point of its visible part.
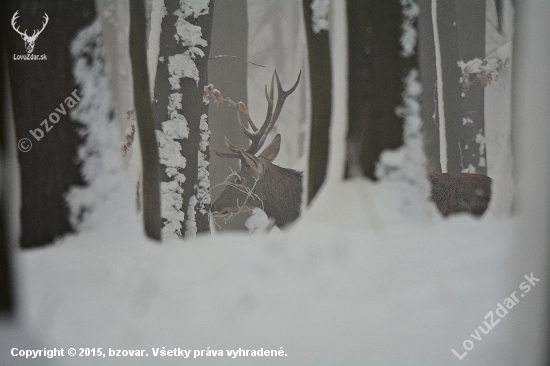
(237, 57)
(241, 188)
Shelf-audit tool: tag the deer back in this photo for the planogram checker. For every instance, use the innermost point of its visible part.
(454, 193)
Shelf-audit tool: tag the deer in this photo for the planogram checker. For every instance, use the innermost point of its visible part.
(29, 40)
(278, 191)
(260, 183)
(455, 192)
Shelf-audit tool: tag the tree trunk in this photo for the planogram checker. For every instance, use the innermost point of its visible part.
(6, 289)
(228, 74)
(376, 73)
(180, 114)
(462, 37)
(321, 102)
(471, 42)
(38, 87)
(145, 122)
(428, 76)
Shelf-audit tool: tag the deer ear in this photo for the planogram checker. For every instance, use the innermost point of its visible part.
(252, 161)
(272, 150)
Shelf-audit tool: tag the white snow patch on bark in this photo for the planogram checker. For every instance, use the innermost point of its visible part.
(480, 139)
(172, 203)
(203, 188)
(319, 16)
(188, 34)
(169, 148)
(486, 71)
(196, 8)
(467, 121)
(180, 66)
(409, 35)
(105, 201)
(174, 129)
(470, 169)
(191, 224)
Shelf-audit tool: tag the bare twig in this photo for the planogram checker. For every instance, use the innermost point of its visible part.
(242, 188)
(237, 57)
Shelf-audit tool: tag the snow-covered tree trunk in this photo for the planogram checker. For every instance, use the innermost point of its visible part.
(464, 125)
(181, 117)
(145, 122)
(316, 24)
(42, 94)
(460, 49)
(470, 143)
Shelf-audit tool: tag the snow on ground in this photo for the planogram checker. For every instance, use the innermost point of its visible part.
(328, 294)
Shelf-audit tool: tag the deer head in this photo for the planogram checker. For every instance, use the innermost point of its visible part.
(29, 40)
(260, 183)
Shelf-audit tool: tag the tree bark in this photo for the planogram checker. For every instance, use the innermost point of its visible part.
(145, 122)
(229, 76)
(49, 169)
(6, 284)
(192, 108)
(471, 42)
(462, 37)
(376, 73)
(321, 102)
(428, 76)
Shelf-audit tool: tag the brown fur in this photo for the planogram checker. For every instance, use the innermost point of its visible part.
(454, 193)
(278, 192)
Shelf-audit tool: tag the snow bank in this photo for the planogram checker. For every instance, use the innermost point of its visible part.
(328, 294)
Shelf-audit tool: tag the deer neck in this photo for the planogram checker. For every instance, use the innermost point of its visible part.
(283, 194)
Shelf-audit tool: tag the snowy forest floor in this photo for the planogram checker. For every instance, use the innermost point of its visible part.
(404, 293)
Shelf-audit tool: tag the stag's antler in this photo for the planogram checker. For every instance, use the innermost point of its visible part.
(258, 136)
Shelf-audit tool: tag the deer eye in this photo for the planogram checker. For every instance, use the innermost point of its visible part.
(238, 180)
